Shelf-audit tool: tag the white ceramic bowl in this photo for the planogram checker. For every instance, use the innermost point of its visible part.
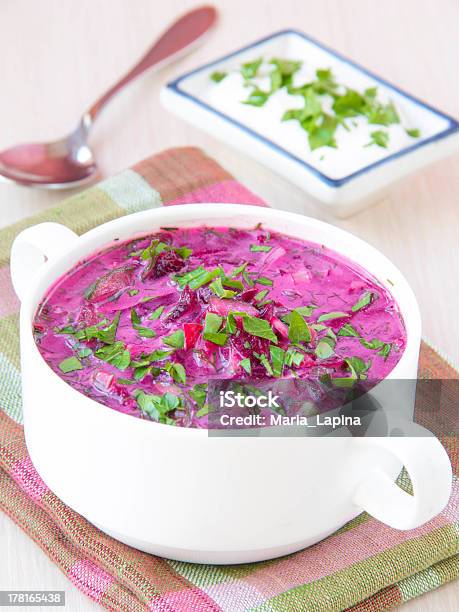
(178, 493)
(345, 179)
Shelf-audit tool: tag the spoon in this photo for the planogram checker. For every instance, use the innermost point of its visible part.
(69, 162)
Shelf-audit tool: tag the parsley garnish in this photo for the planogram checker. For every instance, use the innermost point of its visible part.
(212, 324)
(349, 331)
(263, 280)
(329, 316)
(144, 332)
(156, 313)
(176, 339)
(379, 138)
(246, 365)
(258, 327)
(70, 365)
(366, 299)
(257, 97)
(249, 69)
(277, 360)
(220, 291)
(116, 354)
(298, 330)
(218, 76)
(260, 248)
(325, 348)
(157, 406)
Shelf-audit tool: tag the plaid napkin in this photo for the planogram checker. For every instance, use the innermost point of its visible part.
(364, 566)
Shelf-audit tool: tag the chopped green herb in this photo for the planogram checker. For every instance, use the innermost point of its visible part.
(219, 338)
(379, 138)
(68, 329)
(264, 361)
(329, 316)
(413, 132)
(70, 365)
(293, 357)
(249, 69)
(382, 114)
(298, 330)
(246, 365)
(218, 76)
(197, 278)
(348, 330)
(212, 323)
(176, 339)
(125, 381)
(183, 252)
(277, 360)
(230, 326)
(373, 344)
(116, 354)
(84, 352)
(133, 292)
(199, 394)
(234, 284)
(177, 371)
(349, 104)
(157, 406)
(156, 313)
(263, 280)
(247, 278)
(218, 289)
(144, 332)
(257, 97)
(385, 350)
(261, 295)
(203, 411)
(260, 248)
(183, 279)
(239, 270)
(258, 327)
(305, 311)
(324, 348)
(204, 278)
(322, 134)
(365, 300)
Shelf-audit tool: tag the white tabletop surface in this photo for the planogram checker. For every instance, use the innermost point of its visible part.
(57, 55)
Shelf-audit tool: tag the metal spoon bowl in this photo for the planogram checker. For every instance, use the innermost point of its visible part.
(69, 162)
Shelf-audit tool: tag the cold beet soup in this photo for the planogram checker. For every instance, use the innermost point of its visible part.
(142, 326)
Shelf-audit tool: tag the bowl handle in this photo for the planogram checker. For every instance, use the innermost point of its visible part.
(429, 468)
(32, 248)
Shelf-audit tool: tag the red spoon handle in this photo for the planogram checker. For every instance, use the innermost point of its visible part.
(187, 31)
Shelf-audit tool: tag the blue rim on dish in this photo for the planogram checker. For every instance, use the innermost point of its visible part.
(451, 129)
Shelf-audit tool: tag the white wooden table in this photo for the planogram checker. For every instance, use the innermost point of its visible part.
(57, 55)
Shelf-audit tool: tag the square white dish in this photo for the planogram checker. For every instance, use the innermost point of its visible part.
(345, 179)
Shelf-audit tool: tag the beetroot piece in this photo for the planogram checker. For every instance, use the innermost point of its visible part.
(204, 294)
(267, 311)
(280, 327)
(109, 284)
(191, 332)
(249, 294)
(246, 345)
(167, 262)
(186, 303)
(223, 307)
(87, 315)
